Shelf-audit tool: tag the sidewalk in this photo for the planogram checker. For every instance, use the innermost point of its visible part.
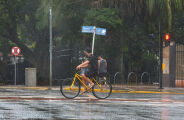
(148, 89)
(115, 89)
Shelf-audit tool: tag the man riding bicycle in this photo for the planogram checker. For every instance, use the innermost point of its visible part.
(92, 64)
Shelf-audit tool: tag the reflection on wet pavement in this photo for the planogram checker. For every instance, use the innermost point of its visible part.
(90, 110)
(117, 107)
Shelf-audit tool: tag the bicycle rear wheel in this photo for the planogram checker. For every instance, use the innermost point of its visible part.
(69, 89)
(102, 89)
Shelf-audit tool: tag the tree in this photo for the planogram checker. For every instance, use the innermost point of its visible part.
(26, 24)
(20, 26)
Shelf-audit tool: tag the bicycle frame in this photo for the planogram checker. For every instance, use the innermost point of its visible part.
(79, 77)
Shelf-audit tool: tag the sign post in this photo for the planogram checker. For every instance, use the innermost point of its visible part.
(15, 71)
(94, 30)
(15, 51)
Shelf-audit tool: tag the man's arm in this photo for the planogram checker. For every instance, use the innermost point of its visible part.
(84, 64)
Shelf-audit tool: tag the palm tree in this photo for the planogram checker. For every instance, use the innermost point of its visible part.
(135, 7)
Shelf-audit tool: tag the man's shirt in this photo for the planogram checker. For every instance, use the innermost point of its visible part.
(93, 63)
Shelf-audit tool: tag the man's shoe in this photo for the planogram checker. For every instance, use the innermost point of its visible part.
(91, 86)
(87, 89)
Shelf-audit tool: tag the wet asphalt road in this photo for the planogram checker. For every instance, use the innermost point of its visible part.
(50, 105)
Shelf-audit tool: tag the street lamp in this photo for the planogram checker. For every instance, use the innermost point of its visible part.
(50, 44)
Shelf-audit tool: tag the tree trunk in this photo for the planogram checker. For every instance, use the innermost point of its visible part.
(169, 15)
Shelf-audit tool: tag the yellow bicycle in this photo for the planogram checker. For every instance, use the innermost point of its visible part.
(71, 87)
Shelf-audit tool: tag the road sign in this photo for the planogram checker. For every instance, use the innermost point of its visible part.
(16, 51)
(100, 31)
(94, 30)
(87, 29)
(90, 29)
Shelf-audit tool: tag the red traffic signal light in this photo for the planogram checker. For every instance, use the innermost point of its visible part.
(167, 37)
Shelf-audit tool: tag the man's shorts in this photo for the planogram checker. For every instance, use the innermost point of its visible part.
(83, 70)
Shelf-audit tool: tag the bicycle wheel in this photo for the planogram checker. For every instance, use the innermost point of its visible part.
(68, 89)
(102, 89)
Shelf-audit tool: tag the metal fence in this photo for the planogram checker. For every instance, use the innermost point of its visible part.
(179, 82)
(64, 63)
(20, 74)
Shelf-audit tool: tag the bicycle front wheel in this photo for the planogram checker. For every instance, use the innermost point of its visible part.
(70, 88)
(102, 89)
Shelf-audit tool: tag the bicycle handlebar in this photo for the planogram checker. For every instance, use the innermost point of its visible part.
(76, 70)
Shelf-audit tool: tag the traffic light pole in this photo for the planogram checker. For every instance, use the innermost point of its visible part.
(161, 61)
(161, 58)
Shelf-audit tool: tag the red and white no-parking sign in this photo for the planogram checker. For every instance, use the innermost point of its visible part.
(16, 51)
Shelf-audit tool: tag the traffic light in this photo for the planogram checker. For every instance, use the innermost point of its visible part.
(167, 39)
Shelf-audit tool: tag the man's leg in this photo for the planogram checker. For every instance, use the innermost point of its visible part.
(84, 81)
(84, 78)
(88, 80)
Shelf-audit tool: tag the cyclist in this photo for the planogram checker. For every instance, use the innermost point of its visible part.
(102, 66)
(92, 64)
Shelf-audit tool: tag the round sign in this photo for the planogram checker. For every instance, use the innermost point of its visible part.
(16, 51)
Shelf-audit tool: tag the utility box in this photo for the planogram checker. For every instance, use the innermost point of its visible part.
(30, 77)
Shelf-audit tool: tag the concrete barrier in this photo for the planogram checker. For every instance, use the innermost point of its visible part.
(30, 77)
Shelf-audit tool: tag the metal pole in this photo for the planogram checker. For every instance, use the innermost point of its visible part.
(161, 58)
(15, 71)
(50, 47)
(94, 30)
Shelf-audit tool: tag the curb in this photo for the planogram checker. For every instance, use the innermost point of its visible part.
(146, 92)
(113, 91)
(28, 88)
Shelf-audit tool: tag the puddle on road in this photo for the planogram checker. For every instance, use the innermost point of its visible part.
(112, 110)
(2, 108)
(90, 109)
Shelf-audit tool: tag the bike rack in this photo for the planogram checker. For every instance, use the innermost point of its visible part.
(131, 73)
(145, 73)
(115, 76)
